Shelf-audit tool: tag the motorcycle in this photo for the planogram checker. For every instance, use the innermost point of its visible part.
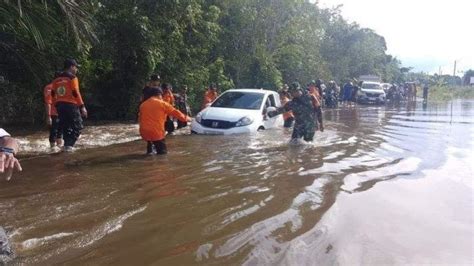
(394, 95)
(330, 99)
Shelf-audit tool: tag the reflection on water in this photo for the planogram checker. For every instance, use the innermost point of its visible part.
(382, 185)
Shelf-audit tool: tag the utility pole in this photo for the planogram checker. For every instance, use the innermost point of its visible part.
(454, 74)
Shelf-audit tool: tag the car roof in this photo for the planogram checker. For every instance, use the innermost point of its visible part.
(371, 82)
(252, 90)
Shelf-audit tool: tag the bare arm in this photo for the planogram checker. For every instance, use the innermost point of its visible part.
(8, 162)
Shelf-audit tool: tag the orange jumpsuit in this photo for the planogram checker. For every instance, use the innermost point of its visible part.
(152, 117)
(209, 97)
(168, 97)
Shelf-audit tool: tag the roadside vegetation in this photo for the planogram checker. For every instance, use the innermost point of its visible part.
(232, 43)
(446, 93)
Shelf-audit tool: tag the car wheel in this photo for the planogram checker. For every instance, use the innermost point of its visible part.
(261, 128)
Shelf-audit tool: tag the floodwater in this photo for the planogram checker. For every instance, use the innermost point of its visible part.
(382, 185)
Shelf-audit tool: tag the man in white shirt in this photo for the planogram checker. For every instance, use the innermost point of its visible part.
(8, 149)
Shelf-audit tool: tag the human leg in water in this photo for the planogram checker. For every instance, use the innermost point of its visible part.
(169, 125)
(70, 122)
(160, 147)
(150, 148)
(319, 115)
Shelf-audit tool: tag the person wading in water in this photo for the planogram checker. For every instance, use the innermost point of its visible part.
(304, 107)
(152, 116)
(68, 101)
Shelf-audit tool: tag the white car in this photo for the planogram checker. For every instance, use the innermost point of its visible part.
(238, 111)
(371, 92)
(386, 86)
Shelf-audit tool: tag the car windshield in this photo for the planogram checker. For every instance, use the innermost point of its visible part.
(239, 100)
(371, 86)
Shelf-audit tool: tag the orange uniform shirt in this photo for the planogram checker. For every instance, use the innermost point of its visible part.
(168, 97)
(152, 117)
(48, 99)
(288, 114)
(314, 91)
(66, 89)
(209, 97)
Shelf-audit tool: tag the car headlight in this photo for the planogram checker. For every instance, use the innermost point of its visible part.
(244, 121)
(198, 118)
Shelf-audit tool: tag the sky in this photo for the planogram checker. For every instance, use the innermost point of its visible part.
(428, 35)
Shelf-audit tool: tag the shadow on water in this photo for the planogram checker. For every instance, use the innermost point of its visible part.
(243, 199)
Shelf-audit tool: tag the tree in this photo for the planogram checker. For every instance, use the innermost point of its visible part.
(467, 77)
(36, 36)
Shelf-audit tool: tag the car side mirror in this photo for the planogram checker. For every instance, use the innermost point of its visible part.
(270, 109)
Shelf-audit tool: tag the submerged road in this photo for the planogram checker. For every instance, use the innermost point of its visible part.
(382, 185)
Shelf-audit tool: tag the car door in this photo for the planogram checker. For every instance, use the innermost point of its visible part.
(270, 102)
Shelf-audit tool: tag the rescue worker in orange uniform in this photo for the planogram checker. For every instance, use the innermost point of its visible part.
(153, 113)
(317, 93)
(69, 104)
(209, 96)
(52, 120)
(288, 117)
(169, 98)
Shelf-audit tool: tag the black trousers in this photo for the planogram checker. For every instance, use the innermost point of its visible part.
(159, 145)
(55, 131)
(169, 125)
(70, 122)
(182, 124)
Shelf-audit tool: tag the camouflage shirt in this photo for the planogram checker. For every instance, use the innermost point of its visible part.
(304, 110)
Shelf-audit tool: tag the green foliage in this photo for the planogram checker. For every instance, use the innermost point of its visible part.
(232, 43)
(447, 93)
(467, 77)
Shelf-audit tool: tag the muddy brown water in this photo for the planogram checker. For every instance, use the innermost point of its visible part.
(382, 185)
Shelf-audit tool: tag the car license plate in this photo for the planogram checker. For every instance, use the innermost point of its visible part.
(213, 132)
(372, 99)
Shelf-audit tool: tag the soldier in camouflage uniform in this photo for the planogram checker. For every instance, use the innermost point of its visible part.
(304, 108)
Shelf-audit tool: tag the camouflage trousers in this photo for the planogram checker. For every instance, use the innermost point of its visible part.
(304, 130)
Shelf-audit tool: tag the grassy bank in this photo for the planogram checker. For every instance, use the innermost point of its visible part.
(444, 93)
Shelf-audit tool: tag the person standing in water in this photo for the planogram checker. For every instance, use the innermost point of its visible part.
(152, 116)
(317, 93)
(347, 93)
(209, 96)
(69, 104)
(304, 108)
(288, 117)
(425, 93)
(169, 98)
(182, 104)
(52, 120)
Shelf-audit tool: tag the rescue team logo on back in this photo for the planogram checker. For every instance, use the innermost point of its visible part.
(61, 91)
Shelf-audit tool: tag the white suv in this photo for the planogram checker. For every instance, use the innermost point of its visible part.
(371, 92)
